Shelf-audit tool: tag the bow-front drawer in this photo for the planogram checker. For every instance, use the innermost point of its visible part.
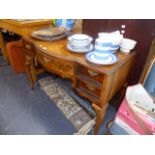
(59, 66)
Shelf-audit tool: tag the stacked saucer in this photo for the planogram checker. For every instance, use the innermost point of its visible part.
(80, 43)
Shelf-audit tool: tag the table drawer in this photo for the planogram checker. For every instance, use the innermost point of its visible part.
(53, 64)
(90, 73)
(90, 88)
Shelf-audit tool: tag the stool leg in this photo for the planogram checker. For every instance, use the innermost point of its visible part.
(30, 77)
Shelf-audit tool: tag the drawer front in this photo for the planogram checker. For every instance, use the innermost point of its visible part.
(90, 88)
(90, 73)
(58, 65)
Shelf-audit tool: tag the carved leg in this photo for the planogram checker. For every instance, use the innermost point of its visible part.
(29, 74)
(100, 113)
(3, 46)
(33, 73)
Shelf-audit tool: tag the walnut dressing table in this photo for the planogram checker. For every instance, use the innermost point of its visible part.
(94, 82)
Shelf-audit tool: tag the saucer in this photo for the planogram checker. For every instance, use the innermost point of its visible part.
(80, 50)
(110, 59)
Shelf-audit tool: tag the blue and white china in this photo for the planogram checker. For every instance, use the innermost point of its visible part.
(80, 50)
(108, 59)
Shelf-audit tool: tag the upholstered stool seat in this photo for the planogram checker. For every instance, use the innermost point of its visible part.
(16, 57)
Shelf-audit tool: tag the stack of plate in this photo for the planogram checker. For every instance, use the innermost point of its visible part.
(80, 43)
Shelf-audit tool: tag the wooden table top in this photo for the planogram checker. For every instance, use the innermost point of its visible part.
(58, 49)
(23, 27)
(22, 23)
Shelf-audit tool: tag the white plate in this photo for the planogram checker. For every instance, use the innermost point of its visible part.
(80, 50)
(111, 59)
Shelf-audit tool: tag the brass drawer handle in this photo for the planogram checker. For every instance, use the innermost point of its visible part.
(91, 88)
(92, 73)
(28, 47)
(46, 60)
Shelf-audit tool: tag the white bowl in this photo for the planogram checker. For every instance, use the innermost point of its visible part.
(128, 44)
